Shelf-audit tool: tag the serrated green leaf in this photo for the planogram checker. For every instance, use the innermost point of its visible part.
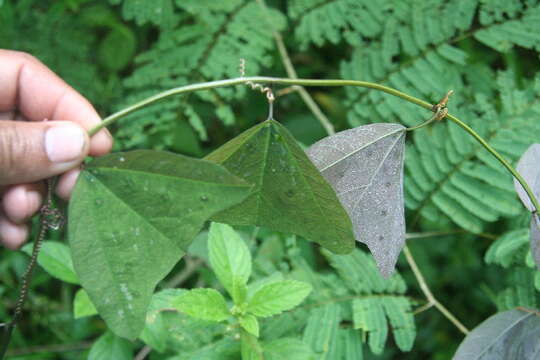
(289, 349)
(230, 259)
(110, 346)
(55, 258)
(257, 285)
(159, 202)
(364, 165)
(279, 296)
(82, 305)
(250, 324)
(205, 304)
(507, 335)
(289, 194)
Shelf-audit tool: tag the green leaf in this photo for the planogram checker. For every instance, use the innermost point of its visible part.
(351, 343)
(279, 296)
(156, 333)
(230, 259)
(368, 315)
(289, 349)
(250, 347)
(507, 335)
(398, 310)
(250, 324)
(82, 305)
(529, 170)
(289, 194)
(206, 304)
(364, 165)
(110, 346)
(159, 202)
(55, 258)
(117, 48)
(535, 239)
(322, 329)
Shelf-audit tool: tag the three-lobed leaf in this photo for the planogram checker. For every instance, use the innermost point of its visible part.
(205, 304)
(131, 218)
(230, 259)
(279, 296)
(289, 193)
(512, 334)
(365, 167)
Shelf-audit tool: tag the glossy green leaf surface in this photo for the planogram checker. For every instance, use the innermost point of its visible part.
(279, 296)
(230, 259)
(205, 304)
(131, 218)
(55, 258)
(364, 165)
(289, 194)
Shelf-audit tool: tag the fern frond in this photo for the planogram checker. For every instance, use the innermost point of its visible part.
(521, 291)
(509, 249)
(321, 21)
(157, 12)
(452, 175)
(321, 331)
(206, 46)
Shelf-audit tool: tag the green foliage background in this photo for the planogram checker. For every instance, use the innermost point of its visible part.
(118, 51)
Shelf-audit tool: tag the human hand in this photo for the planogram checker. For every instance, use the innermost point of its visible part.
(32, 150)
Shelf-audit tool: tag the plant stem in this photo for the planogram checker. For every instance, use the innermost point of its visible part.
(256, 79)
(291, 72)
(313, 82)
(432, 301)
(499, 157)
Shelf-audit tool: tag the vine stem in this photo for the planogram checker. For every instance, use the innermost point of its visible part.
(256, 79)
(291, 72)
(499, 157)
(314, 82)
(432, 301)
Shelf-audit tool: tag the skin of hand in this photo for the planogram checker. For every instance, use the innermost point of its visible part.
(32, 149)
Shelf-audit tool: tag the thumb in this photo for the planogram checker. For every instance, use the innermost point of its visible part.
(31, 151)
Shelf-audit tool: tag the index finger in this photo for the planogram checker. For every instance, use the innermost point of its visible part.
(37, 93)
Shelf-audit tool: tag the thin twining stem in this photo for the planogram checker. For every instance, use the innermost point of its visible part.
(291, 72)
(432, 301)
(314, 82)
